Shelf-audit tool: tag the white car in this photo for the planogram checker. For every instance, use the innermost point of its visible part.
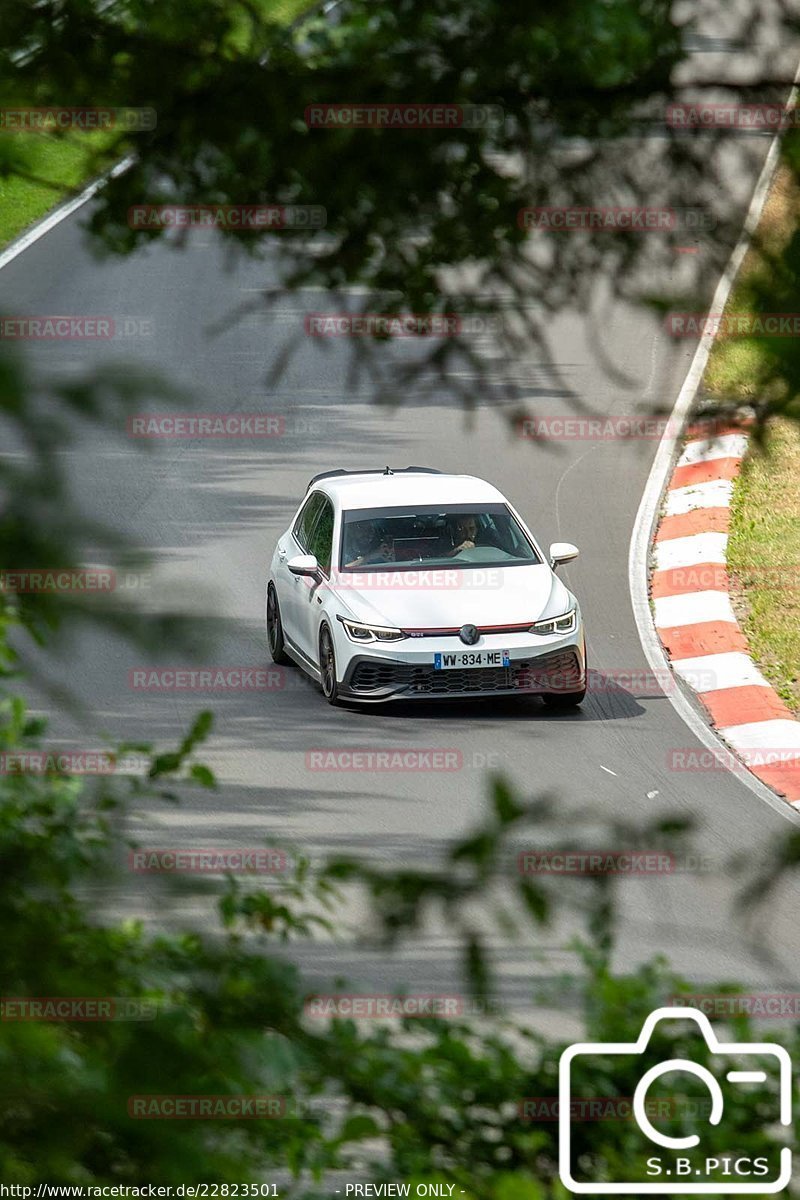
(412, 584)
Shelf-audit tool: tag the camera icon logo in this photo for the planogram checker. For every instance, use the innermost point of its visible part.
(679, 1165)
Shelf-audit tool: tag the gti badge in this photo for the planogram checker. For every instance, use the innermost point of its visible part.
(468, 634)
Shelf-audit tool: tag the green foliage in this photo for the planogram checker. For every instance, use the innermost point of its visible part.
(581, 87)
(428, 1099)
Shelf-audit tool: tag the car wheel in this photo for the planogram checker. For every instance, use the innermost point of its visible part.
(275, 628)
(327, 666)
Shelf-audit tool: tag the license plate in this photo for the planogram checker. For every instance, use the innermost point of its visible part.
(459, 659)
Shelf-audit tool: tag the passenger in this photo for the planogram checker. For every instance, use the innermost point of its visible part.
(369, 546)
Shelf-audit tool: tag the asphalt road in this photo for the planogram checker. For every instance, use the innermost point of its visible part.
(210, 512)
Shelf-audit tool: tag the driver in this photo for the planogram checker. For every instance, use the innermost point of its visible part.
(466, 534)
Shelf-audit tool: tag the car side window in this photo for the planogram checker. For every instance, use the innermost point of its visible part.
(306, 518)
(321, 545)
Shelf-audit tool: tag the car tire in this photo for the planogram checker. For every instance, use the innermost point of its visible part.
(564, 699)
(275, 641)
(327, 666)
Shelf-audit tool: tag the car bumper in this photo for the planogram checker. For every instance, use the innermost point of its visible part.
(536, 667)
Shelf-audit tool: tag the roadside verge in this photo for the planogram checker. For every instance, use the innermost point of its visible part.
(695, 620)
(648, 513)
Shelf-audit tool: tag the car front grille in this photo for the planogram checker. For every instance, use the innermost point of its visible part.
(556, 672)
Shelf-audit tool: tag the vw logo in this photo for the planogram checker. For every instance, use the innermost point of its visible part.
(468, 634)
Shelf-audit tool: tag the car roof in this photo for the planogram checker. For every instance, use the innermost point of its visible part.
(379, 491)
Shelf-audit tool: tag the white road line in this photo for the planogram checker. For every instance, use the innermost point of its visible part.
(61, 212)
(730, 445)
(713, 672)
(714, 494)
(690, 551)
(692, 608)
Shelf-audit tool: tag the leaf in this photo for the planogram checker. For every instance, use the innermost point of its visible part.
(203, 775)
(506, 807)
(164, 764)
(358, 1127)
(198, 733)
(536, 901)
(476, 966)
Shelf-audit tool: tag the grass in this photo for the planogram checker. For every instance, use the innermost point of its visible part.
(65, 163)
(764, 544)
(736, 365)
(764, 558)
(733, 367)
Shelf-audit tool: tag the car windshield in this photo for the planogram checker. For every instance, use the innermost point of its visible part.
(460, 536)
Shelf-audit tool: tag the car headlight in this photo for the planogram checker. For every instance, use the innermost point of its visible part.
(566, 624)
(370, 633)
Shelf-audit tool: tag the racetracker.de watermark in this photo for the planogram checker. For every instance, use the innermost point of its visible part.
(777, 757)
(72, 762)
(636, 682)
(711, 577)
(425, 580)
(382, 1006)
(53, 119)
(595, 429)
(696, 325)
(574, 218)
(24, 581)
(595, 863)
(607, 429)
(342, 759)
(606, 1108)
(206, 425)
(749, 118)
(207, 679)
(397, 325)
(259, 860)
(403, 116)
(76, 1008)
(254, 218)
(202, 1107)
(57, 762)
(754, 1004)
(63, 328)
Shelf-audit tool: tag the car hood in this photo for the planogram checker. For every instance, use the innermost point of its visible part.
(447, 599)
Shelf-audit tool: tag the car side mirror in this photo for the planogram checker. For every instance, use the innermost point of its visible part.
(562, 552)
(304, 564)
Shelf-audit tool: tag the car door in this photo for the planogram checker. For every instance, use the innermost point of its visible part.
(295, 541)
(310, 597)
